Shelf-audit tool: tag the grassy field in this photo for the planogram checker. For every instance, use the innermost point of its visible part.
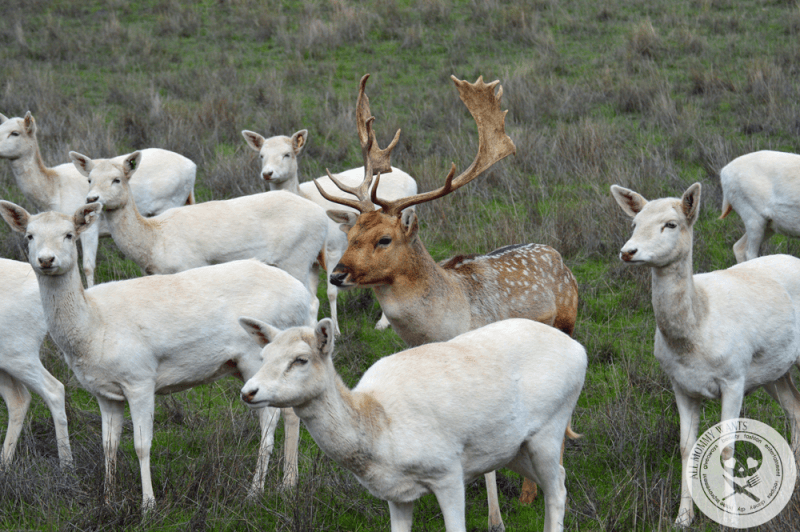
(650, 95)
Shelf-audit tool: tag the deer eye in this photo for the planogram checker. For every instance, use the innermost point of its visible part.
(69, 236)
(671, 225)
(116, 181)
(15, 133)
(385, 241)
(286, 155)
(29, 236)
(300, 361)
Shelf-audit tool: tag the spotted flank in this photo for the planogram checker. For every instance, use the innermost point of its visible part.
(521, 280)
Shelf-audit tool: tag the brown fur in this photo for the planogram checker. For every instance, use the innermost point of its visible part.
(727, 209)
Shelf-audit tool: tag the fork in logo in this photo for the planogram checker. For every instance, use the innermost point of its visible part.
(751, 483)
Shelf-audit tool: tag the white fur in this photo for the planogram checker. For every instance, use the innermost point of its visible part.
(165, 180)
(763, 187)
(279, 169)
(431, 418)
(721, 334)
(129, 340)
(23, 330)
(277, 228)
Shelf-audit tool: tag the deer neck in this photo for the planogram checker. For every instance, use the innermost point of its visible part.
(345, 424)
(135, 235)
(679, 308)
(290, 185)
(70, 317)
(36, 181)
(424, 301)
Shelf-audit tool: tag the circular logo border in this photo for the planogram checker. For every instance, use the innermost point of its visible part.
(745, 497)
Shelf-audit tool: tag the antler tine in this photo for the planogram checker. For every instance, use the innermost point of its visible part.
(493, 143)
(380, 158)
(362, 204)
(376, 160)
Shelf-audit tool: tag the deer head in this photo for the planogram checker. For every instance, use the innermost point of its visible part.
(381, 241)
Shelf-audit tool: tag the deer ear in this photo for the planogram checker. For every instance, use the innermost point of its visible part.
(82, 163)
(690, 203)
(630, 202)
(261, 332)
(131, 163)
(410, 222)
(324, 333)
(15, 216)
(253, 139)
(299, 141)
(345, 219)
(3, 118)
(29, 123)
(85, 216)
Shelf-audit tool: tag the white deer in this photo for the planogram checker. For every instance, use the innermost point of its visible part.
(763, 187)
(165, 180)
(23, 329)
(720, 335)
(431, 418)
(277, 228)
(429, 302)
(279, 169)
(129, 340)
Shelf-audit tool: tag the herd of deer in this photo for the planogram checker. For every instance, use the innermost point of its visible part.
(493, 375)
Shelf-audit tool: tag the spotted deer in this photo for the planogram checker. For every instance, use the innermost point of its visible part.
(429, 302)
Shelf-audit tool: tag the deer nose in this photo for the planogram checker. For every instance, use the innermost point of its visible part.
(46, 262)
(627, 256)
(248, 397)
(337, 278)
(267, 175)
(92, 199)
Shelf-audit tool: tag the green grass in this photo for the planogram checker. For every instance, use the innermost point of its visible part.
(594, 98)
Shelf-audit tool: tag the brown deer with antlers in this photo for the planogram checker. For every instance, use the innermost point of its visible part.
(429, 302)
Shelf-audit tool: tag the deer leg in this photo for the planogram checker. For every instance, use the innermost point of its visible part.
(689, 412)
(111, 413)
(89, 242)
(756, 233)
(17, 399)
(40, 381)
(740, 249)
(539, 459)
(142, 409)
(451, 501)
(400, 514)
(291, 429)
(268, 420)
(785, 393)
(495, 519)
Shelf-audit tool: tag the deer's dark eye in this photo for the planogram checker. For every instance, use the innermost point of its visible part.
(69, 236)
(116, 181)
(671, 225)
(385, 241)
(29, 237)
(15, 133)
(300, 361)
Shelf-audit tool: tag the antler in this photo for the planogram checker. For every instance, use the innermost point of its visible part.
(376, 160)
(493, 143)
